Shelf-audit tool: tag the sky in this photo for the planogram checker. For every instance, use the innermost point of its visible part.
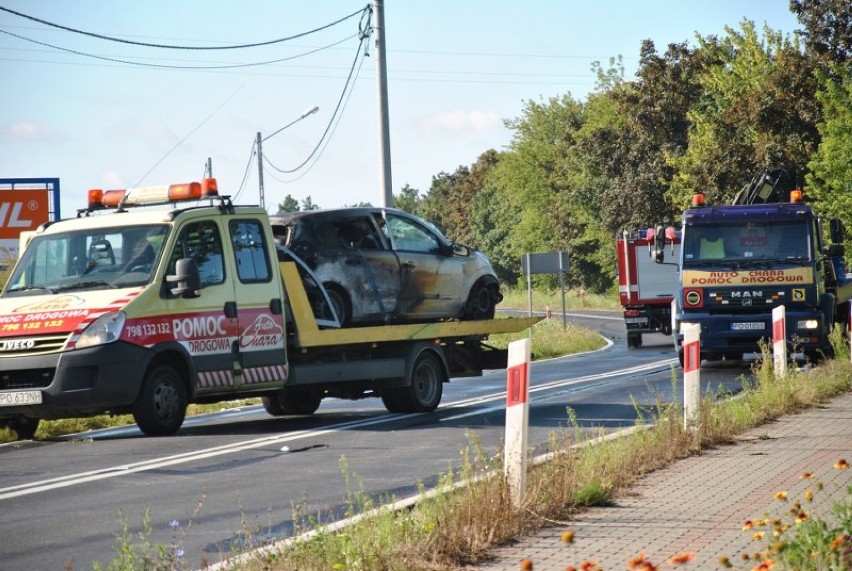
(457, 70)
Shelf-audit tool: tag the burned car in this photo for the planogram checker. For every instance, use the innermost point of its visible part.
(382, 265)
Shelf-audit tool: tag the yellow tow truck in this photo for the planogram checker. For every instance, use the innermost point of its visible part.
(133, 308)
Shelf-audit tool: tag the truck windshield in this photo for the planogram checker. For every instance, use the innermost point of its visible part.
(705, 244)
(95, 258)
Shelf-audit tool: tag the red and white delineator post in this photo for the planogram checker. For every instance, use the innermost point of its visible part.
(691, 373)
(517, 419)
(779, 340)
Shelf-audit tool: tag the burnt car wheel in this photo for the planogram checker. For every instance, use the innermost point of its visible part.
(340, 301)
(481, 303)
(161, 406)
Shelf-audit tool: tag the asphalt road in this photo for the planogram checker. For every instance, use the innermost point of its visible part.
(231, 480)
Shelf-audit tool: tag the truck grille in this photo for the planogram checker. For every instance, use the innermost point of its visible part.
(35, 345)
(26, 379)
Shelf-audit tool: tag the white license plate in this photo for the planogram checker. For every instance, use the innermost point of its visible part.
(748, 326)
(641, 320)
(18, 398)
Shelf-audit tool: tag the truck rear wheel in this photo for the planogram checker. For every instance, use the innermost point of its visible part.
(292, 402)
(634, 340)
(389, 400)
(160, 408)
(423, 394)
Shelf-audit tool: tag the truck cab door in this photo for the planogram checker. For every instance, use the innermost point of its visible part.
(204, 323)
(259, 300)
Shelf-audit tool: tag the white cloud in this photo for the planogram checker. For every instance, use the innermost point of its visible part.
(459, 122)
(28, 132)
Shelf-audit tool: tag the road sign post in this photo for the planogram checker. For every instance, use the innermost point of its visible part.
(691, 373)
(779, 340)
(546, 263)
(517, 419)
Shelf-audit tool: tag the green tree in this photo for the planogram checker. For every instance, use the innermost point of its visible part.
(308, 204)
(408, 199)
(449, 202)
(758, 110)
(289, 204)
(829, 183)
(827, 30)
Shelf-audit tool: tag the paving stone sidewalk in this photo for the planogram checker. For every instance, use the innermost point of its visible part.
(700, 504)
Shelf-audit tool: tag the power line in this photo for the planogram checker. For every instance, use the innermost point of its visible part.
(178, 47)
(168, 66)
(365, 31)
(179, 143)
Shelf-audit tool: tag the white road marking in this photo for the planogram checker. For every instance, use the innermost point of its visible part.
(279, 439)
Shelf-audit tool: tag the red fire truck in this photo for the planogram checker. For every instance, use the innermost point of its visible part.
(646, 288)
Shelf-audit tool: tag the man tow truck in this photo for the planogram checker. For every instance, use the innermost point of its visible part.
(145, 310)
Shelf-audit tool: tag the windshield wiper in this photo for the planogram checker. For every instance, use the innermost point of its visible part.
(83, 285)
(31, 288)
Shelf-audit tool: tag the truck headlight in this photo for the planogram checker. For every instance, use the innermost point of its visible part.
(105, 329)
(807, 324)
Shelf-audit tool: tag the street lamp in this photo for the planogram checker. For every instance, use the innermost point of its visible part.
(260, 140)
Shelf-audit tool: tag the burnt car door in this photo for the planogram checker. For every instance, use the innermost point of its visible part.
(432, 276)
(366, 266)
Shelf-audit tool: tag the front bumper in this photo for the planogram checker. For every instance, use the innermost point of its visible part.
(742, 333)
(76, 383)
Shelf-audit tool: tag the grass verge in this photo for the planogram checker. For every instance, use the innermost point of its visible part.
(518, 298)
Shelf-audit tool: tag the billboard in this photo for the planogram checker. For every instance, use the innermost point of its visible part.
(25, 204)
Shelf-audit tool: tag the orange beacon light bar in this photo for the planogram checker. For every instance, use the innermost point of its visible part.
(150, 195)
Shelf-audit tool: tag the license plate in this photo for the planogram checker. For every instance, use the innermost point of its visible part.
(18, 398)
(748, 326)
(640, 320)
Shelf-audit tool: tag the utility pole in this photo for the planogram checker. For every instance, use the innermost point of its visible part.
(260, 168)
(384, 127)
(259, 145)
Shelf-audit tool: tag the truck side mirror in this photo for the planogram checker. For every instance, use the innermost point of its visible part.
(836, 230)
(186, 277)
(659, 244)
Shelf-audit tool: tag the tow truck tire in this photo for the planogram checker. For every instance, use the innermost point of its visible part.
(288, 402)
(424, 392)
(160, 408)
(24, 427)
(389, 400)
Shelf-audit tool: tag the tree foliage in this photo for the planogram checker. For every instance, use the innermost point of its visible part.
(703, 117)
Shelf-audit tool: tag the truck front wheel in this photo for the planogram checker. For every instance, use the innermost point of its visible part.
(24, 427)
(423, 394)
(161, 406)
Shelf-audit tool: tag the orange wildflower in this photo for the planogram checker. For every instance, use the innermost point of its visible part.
(570, 568)
(526, 564)
(567, 536)
(838, 541)
(748, 525)
(809, 495)
(781, 496)
(801, 516)
(841, 464)
(806, 476)
(636, 561)
(758, 536)
(764, 566)
(684, 557)
(725, 562)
